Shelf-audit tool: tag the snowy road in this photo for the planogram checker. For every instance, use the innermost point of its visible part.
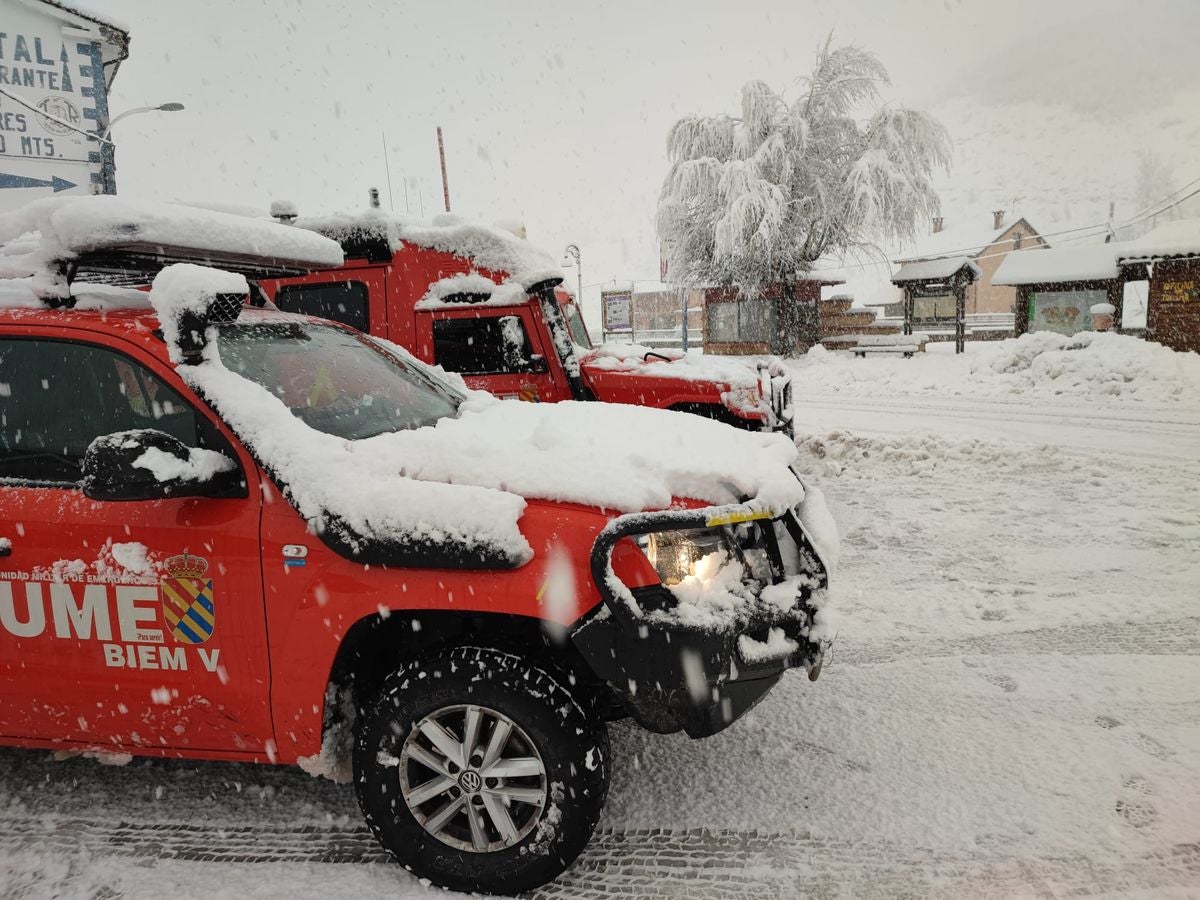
(1012, 709)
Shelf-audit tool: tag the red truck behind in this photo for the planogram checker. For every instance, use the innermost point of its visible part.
(457, 295)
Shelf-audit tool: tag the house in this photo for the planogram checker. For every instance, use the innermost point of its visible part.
(739, 325)
(986, 248)
(1057, 288)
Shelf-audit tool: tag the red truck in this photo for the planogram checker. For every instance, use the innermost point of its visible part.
(458, 295)
(241, 534)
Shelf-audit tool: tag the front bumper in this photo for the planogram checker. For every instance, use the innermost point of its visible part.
(670, 675)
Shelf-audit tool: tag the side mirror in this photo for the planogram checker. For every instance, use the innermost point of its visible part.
(146, 464)
(537, 364)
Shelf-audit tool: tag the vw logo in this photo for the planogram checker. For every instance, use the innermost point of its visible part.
(470, 781)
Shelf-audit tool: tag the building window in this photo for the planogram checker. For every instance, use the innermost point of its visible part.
(1064, 312)
(741, 321)
(722, 322)
(488, 345)
(341, 301)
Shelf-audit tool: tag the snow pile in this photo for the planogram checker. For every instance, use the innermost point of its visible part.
(59, 228)
(1046, 364)
(1091, 363)
(487, 246)
(442, 294)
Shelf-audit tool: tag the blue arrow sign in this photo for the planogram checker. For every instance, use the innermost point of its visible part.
(22, 181)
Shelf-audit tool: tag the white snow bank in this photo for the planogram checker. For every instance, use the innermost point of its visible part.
(508, 293)
(1043, 364)
(63, 227)
(487, 246)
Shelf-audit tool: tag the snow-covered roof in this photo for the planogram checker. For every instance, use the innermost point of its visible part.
(1096, 262)
(1179, 238)
(487, 246)
(88, 11)
(59, 228)
(964, 240)
(935, 269)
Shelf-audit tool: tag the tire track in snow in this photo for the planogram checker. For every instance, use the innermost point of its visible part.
(648, 863)
(1172, 638)
(1010, 410)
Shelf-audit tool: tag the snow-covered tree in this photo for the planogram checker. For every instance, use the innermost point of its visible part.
(752, 201)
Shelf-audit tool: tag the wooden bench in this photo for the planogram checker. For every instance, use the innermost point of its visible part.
(907, 344)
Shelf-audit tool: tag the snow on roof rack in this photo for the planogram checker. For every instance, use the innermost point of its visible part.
(109, 240)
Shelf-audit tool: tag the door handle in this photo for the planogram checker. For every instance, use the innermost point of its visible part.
(5, 547)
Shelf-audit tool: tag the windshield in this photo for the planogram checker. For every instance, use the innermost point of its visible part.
(575, 326)
(333, 380)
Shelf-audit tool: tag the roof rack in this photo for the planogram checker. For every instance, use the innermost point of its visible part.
(135, 265)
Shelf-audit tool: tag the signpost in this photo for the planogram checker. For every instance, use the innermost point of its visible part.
(618, 312)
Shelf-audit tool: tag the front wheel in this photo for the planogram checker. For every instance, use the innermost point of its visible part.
(479, 770)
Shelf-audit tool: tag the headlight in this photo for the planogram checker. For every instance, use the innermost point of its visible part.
(743, 399)
(674, 554)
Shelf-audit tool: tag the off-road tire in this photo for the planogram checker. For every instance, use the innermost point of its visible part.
(571, 740)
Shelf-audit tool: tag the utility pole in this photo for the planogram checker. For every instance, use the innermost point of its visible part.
(683, 297)
(388, 170)
(442, 157)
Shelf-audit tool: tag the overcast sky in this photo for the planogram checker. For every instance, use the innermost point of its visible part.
(555, 113)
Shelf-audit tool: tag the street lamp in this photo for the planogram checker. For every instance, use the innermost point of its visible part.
(164, 107)
(108, 152)
(571, 257)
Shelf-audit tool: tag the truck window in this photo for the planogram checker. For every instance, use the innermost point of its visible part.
(487, 345)
(341, 301)
(56, 397)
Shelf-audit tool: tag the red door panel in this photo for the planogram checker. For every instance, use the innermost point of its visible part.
(128, 624)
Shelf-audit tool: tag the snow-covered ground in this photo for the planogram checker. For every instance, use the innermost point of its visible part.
(1012, 708)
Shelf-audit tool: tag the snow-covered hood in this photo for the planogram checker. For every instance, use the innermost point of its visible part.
(612, 456)
(666, 363)
(458, 488)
